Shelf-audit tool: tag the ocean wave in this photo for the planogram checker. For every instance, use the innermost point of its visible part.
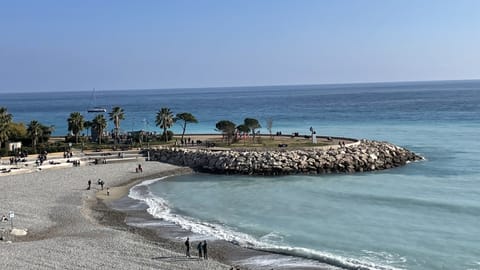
(328, 258)
(159, 208)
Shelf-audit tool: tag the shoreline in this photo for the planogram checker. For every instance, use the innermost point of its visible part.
(171, 236)
(56, 209)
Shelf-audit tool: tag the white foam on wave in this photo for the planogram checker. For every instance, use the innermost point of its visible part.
(269, 261)
(332, 259)
(159, 208)
(390, 258)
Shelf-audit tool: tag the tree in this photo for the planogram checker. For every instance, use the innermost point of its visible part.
(88, 125)
(46, 133)
(5, 120)
(252, 124)
(116, 115)
(76, 123)
(18, 131)
(269, 126)
(165, 120)
(99, 124)
(245, 130)
(227, 128)
(34, 131)
(186, 118)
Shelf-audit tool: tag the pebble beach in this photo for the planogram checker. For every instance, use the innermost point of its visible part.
(70, 227)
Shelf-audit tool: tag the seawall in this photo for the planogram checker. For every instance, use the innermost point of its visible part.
(361, 156)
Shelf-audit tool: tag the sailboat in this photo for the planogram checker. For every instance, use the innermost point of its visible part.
(95, 109)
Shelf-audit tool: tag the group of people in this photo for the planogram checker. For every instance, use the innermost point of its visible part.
(19, 157)
(98, 160)
(75, 163)
(41, 158)
(201, 247)
(186, 142)
(99, 182)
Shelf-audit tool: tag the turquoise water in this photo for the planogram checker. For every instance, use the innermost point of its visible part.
(421, 216)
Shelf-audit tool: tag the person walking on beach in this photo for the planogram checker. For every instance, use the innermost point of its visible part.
(102, 183)
(187, 246)
(199, 248)
(89, 184)
(204, 249)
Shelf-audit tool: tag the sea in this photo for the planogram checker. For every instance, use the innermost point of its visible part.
(425, 215)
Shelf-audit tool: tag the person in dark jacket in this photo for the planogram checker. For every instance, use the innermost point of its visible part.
(204, 249)
(199, 248)
(187, 246)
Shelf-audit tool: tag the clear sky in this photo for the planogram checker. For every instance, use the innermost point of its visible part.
(70, 45)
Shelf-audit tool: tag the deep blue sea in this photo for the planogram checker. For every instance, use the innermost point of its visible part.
(425, 215)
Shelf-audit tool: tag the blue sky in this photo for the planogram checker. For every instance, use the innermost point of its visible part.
(112, 44)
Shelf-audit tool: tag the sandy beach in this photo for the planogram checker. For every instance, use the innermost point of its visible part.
(70, 228)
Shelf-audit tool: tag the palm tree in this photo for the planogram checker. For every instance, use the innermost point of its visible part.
(76, 123)
(165, 120)
(88, 126)
(5, 120)
(99, 124)
(46, 132)
(186, 118)
(116, 115)
(34, 131)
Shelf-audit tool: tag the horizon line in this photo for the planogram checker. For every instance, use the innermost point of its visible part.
(243, 86)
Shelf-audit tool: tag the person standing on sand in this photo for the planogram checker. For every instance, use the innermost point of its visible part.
(187, 246)
(199, 248)
(204, 249)
(89, 184)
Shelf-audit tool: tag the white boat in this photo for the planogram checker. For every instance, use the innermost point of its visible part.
(95, 109)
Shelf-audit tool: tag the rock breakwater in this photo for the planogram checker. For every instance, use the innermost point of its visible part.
(362, 156)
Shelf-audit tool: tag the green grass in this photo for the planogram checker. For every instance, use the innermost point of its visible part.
(295, 142)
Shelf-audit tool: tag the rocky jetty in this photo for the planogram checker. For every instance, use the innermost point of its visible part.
(358, 157)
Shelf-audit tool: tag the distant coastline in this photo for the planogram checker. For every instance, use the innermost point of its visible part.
(253, 87)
